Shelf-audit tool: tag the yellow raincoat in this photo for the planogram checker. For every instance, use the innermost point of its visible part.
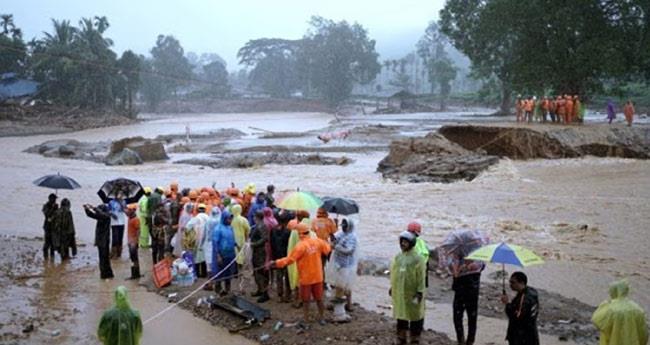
(242, 230)
(620, 320)
(407, 273)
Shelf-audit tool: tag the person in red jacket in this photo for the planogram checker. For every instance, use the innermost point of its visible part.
(307, 254)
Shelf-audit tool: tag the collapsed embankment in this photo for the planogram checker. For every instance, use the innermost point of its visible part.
(462, 152)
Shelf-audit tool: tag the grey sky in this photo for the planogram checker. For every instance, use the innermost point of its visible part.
(223, 27)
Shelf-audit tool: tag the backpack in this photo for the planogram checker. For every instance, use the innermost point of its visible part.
(188, 241)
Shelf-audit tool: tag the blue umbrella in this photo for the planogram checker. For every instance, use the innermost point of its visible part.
(57, 182)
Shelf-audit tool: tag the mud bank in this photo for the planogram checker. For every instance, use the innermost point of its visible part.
(461, 152)
(560, 317)
(433, 159)
(18, 120)
(251, 160)
(366, 327)
(552, 141)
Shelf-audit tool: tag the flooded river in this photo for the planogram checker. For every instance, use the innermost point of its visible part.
(542, 204)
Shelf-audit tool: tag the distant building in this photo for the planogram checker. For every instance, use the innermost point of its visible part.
(14, 88)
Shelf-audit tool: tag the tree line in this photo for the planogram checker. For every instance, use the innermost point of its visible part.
(77, 67)
(552, 47)
(535, 47)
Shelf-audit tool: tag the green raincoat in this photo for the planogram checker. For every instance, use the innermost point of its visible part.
(581, 112)
(143, 211)
(422, 248)
(120, 325)
(407, 273)
(620, 320)
(242, 230)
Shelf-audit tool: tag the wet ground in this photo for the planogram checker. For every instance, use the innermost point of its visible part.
(542, 204)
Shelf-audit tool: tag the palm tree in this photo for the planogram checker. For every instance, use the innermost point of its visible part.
(7, 22)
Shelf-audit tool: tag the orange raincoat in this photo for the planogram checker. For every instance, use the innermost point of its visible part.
(307, 255)
(323, 226)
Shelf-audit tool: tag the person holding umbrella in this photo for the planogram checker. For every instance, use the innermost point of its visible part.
(49, 210)
(522, 312)
(466, 282)
(466, 275)
(101, 213)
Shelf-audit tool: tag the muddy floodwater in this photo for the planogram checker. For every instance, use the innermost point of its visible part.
(588, 217)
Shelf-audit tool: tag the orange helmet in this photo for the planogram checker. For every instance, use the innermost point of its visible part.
(415, 228)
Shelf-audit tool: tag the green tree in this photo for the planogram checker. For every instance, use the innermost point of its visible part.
(484, 31)
(55, 63)
(216, 79)
(274, 63)
(440, 68)
(442, 72)
(13, 49)
(153, 88)
(130, 65)
(170, 63)
(334, 56)
(537, 45)
(96, 64)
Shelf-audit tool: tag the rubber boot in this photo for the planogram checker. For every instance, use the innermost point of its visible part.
(263, 297)
(401, 337)
(135, 273)
(118, 252)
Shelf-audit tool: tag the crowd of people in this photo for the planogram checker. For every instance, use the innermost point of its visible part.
(565, 109)
(302, 255)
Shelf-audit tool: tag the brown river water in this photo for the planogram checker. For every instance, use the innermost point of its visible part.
(540, 204)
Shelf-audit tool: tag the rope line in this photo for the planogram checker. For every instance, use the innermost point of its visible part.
(214, 278)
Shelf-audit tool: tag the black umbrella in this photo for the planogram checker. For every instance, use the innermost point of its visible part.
(131, 190)
(340, 206)
(57, 182)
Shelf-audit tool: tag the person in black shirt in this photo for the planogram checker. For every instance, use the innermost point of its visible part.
(102, 214)
(279, 244)
(467, 280)
(522, 312)
(49, 210)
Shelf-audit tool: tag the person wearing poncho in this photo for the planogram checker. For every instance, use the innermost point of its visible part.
(142, 213)
(407, 289)
(342, 269)
(620, 320)
(242, 229)
(223, 253)
(120, 325)
(307, 256)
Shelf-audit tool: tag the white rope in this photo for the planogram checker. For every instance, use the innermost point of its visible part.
(195, 291)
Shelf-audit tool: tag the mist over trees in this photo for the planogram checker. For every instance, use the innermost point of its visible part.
(533, 47)
(561, 47)
(326, 63)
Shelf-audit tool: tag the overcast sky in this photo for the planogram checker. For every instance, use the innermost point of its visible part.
(223, 27)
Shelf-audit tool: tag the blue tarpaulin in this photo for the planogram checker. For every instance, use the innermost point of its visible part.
(13, 87)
